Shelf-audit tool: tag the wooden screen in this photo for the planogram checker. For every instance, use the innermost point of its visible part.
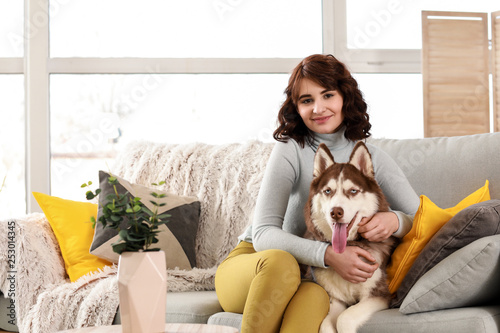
(495, 29)
(455, 70)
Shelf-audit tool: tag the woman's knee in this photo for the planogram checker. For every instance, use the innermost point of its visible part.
(281, 265)
(315, 292)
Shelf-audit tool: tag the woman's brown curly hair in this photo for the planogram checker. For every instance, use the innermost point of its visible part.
(331, 74)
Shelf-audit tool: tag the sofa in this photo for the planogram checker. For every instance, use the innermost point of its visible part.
(455, 287)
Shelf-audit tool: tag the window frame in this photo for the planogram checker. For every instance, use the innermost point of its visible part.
(371, 60)
(37, 66)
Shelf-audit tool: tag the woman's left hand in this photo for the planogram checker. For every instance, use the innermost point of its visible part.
(379, 227)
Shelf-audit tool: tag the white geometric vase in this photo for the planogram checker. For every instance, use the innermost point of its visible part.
(142, 287)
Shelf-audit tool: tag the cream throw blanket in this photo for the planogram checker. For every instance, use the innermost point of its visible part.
(225, 178)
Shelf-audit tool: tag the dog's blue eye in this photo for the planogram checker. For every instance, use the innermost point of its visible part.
(327, 191)
(354, 191)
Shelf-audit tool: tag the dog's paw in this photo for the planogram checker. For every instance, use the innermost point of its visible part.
(327, 326)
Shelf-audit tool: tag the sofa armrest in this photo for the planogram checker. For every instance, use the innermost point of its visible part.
(467, 277)
(31, 260)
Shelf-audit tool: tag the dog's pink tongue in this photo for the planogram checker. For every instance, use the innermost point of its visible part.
(339, 237)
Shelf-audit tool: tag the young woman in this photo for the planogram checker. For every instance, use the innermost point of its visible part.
(261, 277)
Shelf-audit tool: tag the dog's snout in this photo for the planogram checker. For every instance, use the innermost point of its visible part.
(337, 213)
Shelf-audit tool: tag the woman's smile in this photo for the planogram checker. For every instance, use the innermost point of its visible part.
(321, 120)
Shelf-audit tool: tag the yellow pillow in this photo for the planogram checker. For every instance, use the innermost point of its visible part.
(428, 220)
(70, 221)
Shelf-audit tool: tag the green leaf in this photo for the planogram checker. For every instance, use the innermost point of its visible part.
(137, 208)
(111, 179)
(115, 218)
(135, 238)
(147, 210)
(89, 195)
(94, 222)
(119, 247)
(123, 234)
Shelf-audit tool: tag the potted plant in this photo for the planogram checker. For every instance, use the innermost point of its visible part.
(142, 277)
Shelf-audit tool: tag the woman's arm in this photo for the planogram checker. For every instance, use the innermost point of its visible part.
(272, 203)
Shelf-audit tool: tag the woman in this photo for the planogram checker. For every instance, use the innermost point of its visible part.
(261, 277)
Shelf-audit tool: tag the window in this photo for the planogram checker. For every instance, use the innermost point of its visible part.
(94, 116)
(11, 29)
(384, 36)
(397, 24)
(394, 104)
(102, 73)
(12, 196)
(176, 72)
(12, 132)
(186, 29)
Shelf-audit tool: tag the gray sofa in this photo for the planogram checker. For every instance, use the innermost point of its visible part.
(226, 179)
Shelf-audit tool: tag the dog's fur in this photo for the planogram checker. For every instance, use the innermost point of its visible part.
(345, 193)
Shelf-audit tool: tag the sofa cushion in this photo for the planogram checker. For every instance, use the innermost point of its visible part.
(467, 277)
(70, 221)
(188, 307)
(447, 169)
(471, 320)
(428, 220)
(472, 223)
(177, 238)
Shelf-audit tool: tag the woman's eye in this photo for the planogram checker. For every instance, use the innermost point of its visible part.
(328, 96)
(306, 101)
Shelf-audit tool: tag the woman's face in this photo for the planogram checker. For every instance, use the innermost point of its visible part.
(320, 108)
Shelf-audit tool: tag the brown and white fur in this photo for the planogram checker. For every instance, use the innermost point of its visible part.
(345, 193)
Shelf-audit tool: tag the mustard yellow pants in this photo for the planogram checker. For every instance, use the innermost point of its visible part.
(266, 287)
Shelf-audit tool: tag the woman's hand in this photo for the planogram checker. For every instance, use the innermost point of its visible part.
(379, 227)
(354, 264)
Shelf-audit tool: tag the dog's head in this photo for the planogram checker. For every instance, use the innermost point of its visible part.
(341, 194)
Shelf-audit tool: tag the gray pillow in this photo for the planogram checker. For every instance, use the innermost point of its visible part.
(467, 277)
(177, 238)
(468, 225)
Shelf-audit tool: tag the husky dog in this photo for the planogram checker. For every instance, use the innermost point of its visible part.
(341, 194)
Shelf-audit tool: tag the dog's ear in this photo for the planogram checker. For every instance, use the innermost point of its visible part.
(322, 160)
(362, 160)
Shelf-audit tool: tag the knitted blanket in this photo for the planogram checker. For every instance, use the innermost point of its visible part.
(226, 179)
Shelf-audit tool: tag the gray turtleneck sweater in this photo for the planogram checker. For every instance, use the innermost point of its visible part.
(278, 221)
